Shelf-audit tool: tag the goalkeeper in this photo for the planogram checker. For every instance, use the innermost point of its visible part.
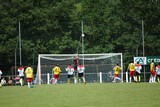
(70, 73)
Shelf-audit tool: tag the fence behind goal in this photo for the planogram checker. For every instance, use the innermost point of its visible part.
(94, 65)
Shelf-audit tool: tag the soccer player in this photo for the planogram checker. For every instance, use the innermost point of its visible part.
(152, 73)
(158, 72)
(117, 69)
(56, 72)
(70, 73)
(138, 69)
(29, 75)
(75, 61)
(131, 69)
(80, 70)
(21, 74)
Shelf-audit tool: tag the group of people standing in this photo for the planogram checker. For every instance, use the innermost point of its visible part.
(135, 72)
(71, 72)
(154, 72)
(22, 72)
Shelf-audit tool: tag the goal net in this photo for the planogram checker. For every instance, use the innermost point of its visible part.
(98, 67)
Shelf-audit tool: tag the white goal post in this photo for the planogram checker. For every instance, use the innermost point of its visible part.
(98, 64)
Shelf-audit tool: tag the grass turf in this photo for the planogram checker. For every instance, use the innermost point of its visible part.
(82, 95)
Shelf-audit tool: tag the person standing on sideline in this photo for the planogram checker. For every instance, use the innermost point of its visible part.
(21, 74)
(138, 69)
(117, 69)
(80, 70)
(131, 69)
(56, 72)
(29, 75)
(70, 73)
(0, 73)
(158, 72)
(152, 73)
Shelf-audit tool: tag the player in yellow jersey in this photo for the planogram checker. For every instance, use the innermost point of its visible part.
(56, 72)
(131, 69)
(152, 73)
(117, 69)
(29, 76)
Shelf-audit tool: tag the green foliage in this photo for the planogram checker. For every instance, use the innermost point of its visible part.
(54, 26)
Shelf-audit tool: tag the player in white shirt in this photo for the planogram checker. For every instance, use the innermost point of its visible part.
(70, 70)
(21, 74)
(138, 69)
(81, 70)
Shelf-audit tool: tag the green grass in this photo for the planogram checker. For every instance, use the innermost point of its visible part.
(81, 95)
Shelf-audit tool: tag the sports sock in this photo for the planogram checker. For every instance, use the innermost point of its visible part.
(139, 78)
(84, 80)
(75, 80)
(130, 79)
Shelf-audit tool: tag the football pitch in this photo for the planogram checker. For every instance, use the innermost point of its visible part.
(82, 95)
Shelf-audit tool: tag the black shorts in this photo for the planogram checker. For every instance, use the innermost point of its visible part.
(158, 76)
(22, 77)
(70, 76)
(80, 74)
(137, 74)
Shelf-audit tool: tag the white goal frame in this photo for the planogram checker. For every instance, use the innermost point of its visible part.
(84, 57)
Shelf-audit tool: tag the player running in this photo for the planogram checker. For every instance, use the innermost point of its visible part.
(117, 69)
(56, 72)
